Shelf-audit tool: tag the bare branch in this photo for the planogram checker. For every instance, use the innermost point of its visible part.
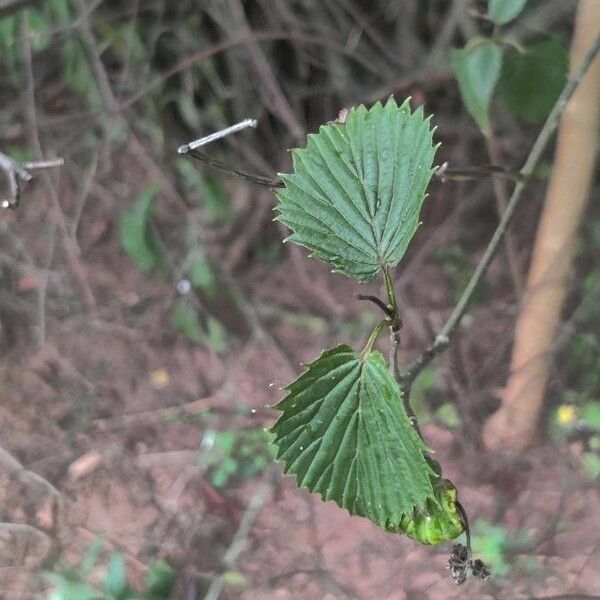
(217, 135)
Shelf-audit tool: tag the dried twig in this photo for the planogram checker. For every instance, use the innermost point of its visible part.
(16, 172)
(213, 137)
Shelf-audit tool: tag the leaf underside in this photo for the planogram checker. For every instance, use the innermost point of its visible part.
(357, 188)
(477, 70)
(504, 11)
(345, 435)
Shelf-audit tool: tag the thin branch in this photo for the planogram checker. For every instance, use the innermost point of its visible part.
(215, 164)
(443, 339)
(39, 165)
(241, 537)
(16, 172)
(43, 287)
(387, 309)
(217, 135)
(501, 193)
(111, 105)
(258, 36)
(443, 172)
(393, 361)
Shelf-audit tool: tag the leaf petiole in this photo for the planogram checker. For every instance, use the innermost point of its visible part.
(394, 314)
(373, 337)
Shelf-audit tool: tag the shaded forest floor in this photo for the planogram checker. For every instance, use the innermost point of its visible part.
(126, 425)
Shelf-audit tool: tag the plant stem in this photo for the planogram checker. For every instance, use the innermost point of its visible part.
(373, 337)
(444, 172)
(389, 288)
(442, 341)
(393, 313)
(501, 194)
(378, 302)
(465, 520)
(215, 164)
(395, 324)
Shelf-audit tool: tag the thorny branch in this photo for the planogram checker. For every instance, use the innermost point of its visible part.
(444, 338)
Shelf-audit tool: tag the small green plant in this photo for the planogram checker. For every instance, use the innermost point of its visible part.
(496, 545)
(580, 419)
(492, 542)
(136, 236)
(74, 584)
(233, 454)
(345, 430)
(138, 239)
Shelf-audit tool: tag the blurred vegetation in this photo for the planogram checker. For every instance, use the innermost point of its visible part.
(575, 415)
(75, 584)
(496, 546)
(230, 454)
(164, 73)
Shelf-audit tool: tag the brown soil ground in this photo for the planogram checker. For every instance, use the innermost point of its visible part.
(95, 446)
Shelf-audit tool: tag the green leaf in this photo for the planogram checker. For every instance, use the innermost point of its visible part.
(69, 590)
(184, 319)
(9, 50)
(40, 30)
(357, 188)
(91, 556)
(160, 579)
(216, 335)
(477, 70)
(504, 11)
(590, 414)
(197, 268)
(61, 8)
(591, 463)
(234, 579)
(532, 81)
(439, 522)
(135, 234)
(115, 582)
(345, 434)
(448, 415)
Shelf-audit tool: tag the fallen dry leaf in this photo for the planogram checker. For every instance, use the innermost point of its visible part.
(85, 465)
